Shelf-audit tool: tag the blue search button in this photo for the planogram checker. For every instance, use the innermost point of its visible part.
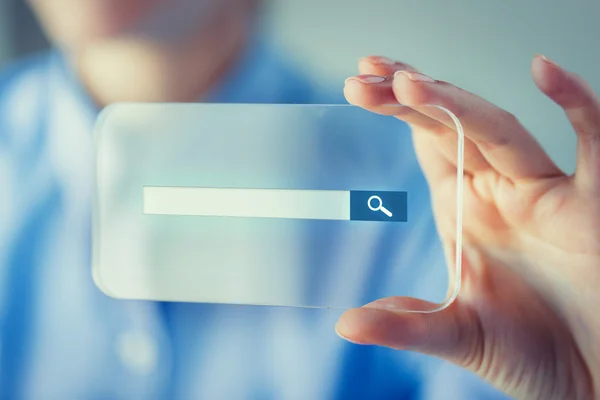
(378, 206)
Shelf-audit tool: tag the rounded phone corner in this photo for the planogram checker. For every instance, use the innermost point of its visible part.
(100, 284)
(451, 298)
(103, 116)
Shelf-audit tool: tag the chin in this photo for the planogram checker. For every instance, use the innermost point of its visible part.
(76, 23)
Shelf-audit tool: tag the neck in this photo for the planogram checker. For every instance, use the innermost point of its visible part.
(135, 69)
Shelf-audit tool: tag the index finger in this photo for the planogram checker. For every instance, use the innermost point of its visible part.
(509, 148)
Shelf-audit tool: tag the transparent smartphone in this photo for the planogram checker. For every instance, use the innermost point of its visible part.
(283, 205)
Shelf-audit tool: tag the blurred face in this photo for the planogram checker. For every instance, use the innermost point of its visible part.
(75, 23)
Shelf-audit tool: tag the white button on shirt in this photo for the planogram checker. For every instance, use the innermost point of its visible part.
(138, 351)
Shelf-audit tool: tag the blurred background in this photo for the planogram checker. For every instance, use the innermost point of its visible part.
(484, 46)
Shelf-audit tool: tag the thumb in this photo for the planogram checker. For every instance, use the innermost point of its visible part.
(453, 334)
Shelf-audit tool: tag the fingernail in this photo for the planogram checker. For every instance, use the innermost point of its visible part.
(353, 341)
(383, 304)
(383, 60)
(415, 76)
(547, 60)
(368, 79)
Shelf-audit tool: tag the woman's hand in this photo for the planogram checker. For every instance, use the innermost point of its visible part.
(527, 319)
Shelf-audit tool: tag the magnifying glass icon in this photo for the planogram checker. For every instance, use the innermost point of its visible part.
(379, 207)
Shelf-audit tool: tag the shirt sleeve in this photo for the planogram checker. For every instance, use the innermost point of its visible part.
(20, 103)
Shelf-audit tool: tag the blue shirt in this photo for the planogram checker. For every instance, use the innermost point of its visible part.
(61, 338)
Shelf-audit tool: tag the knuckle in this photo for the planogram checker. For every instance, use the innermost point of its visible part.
(509, 118)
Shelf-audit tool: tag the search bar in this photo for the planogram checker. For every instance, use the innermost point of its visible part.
(342, 205)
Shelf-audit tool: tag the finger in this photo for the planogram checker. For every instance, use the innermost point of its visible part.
(502, 140)
(374, 93)
(382, 66)
(474, 161)
(582, 107)
(452, 334)
(370, 90)
(378, 66)
(382, 94)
